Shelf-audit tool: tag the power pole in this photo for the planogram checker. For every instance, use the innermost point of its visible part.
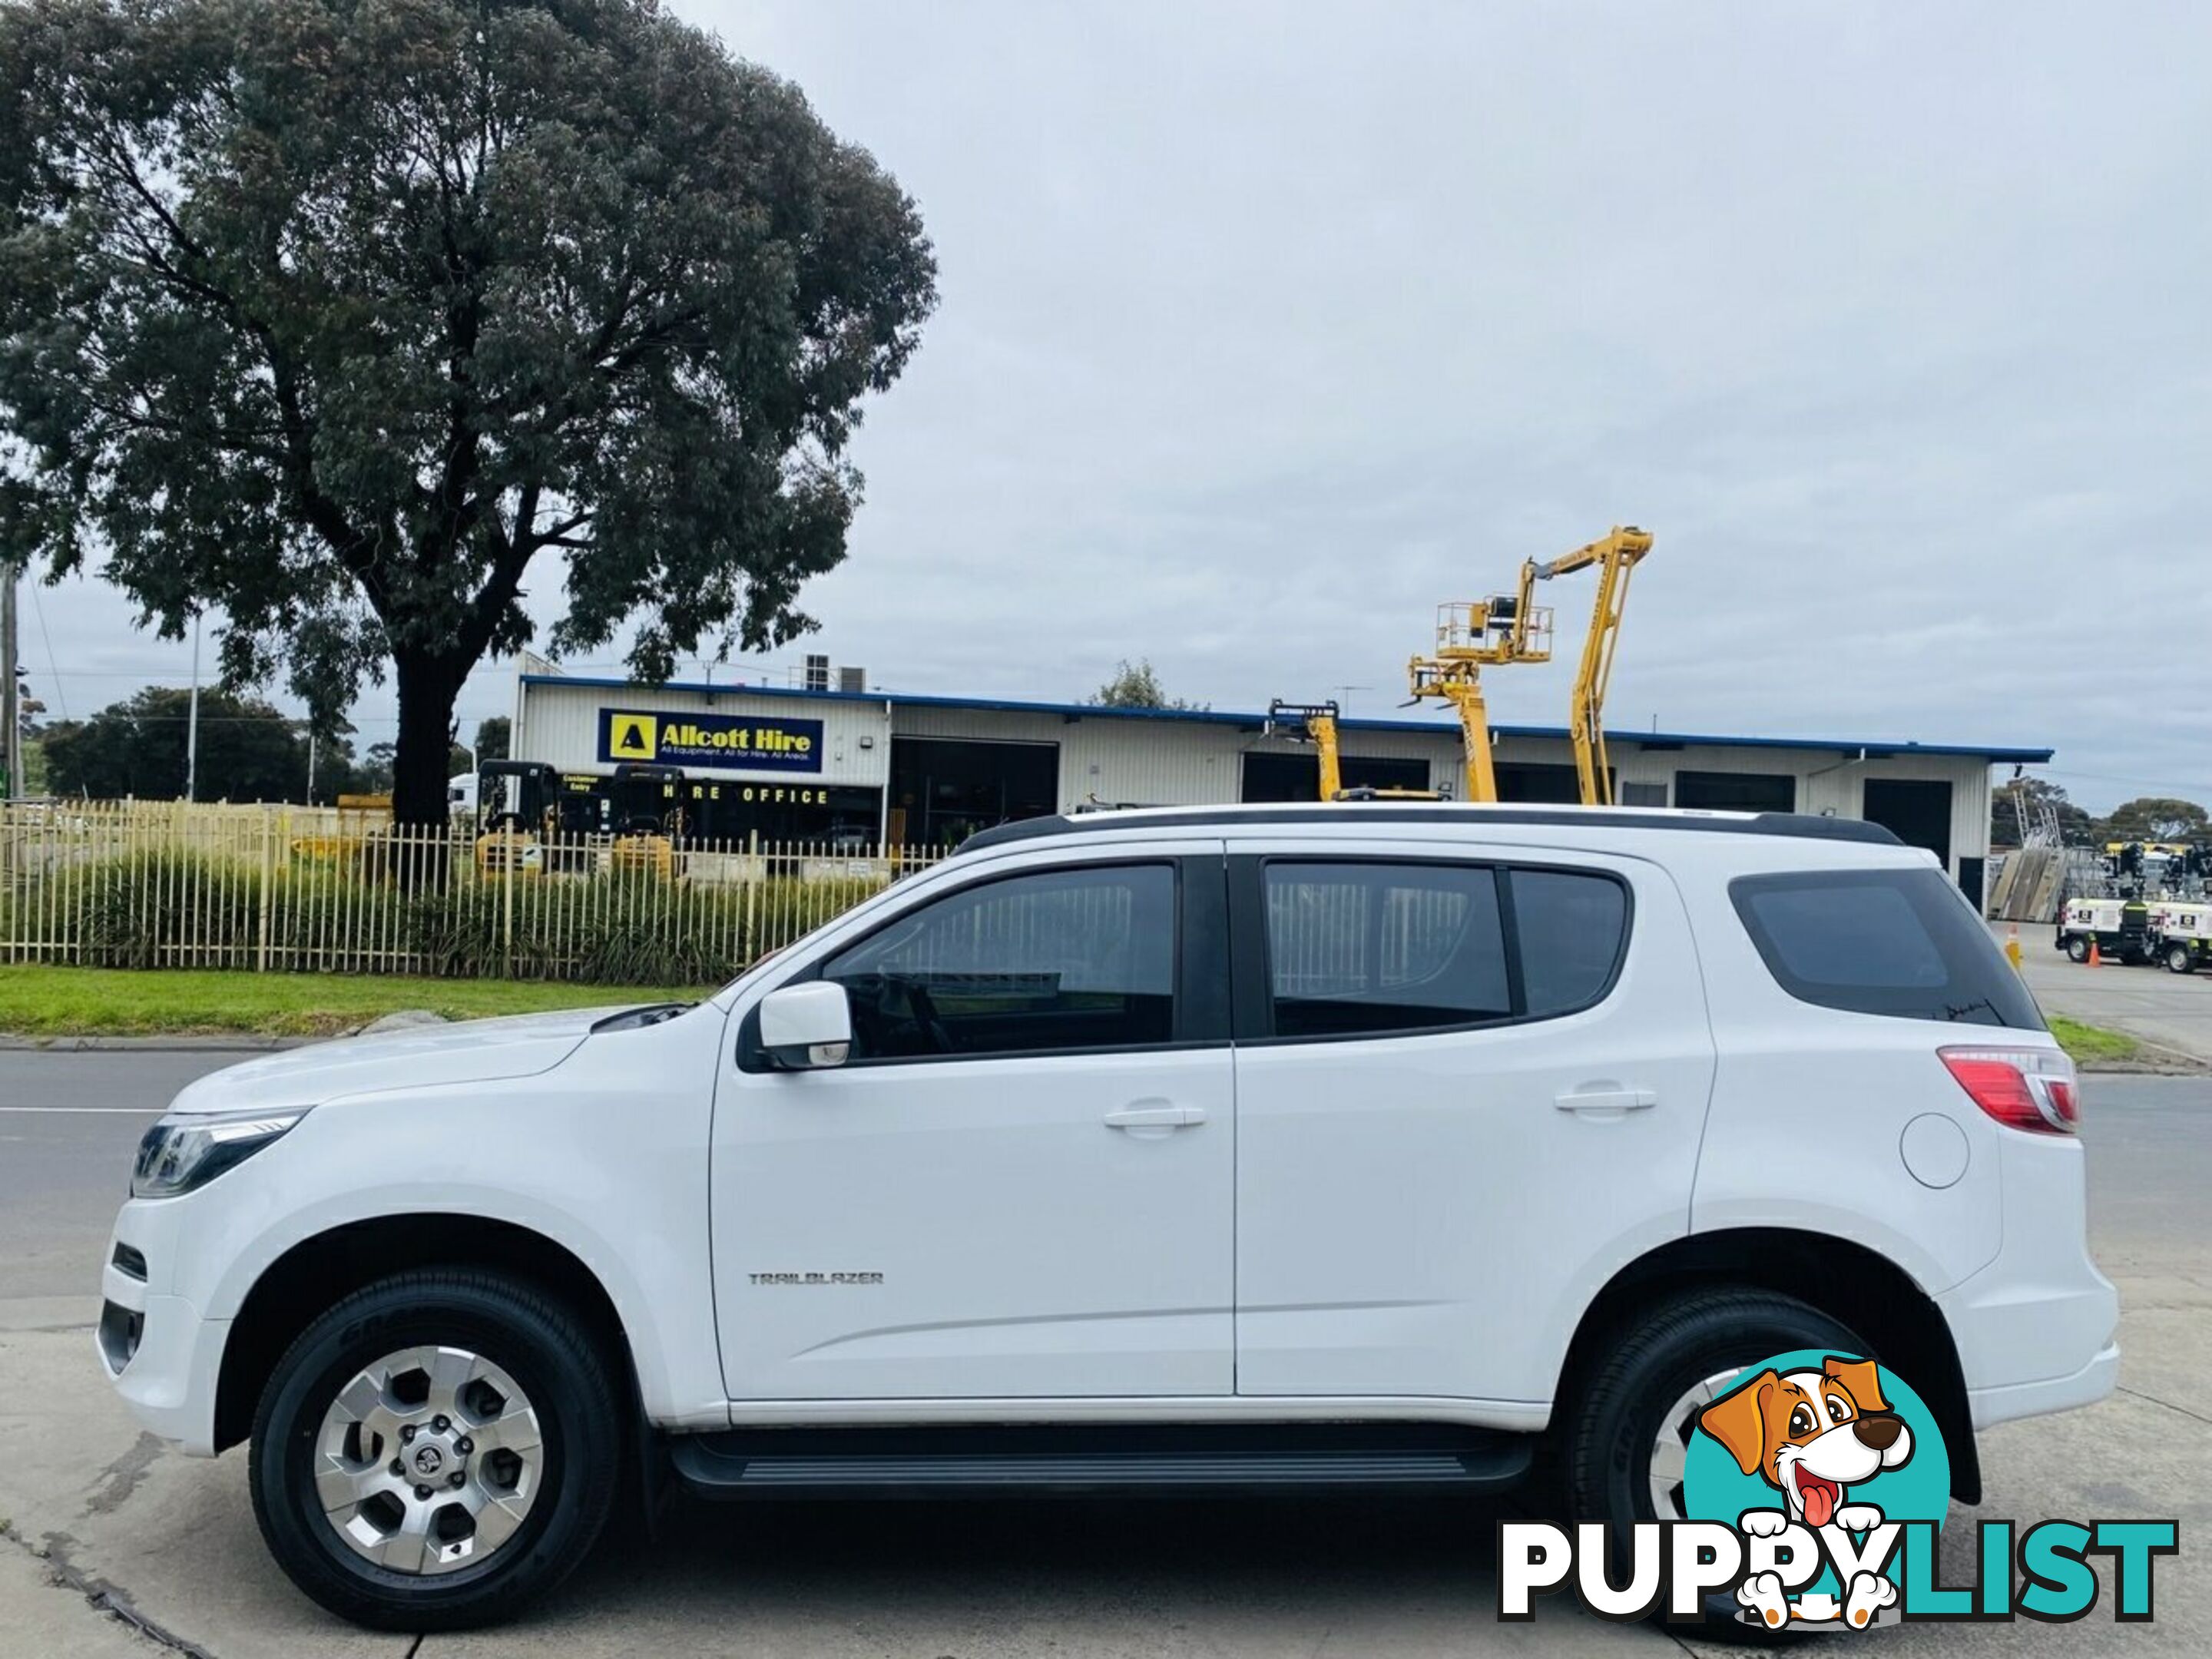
(193, 721)
(11, 717)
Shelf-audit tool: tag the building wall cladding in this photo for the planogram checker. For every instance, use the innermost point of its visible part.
(562, 724)
(1120, 759)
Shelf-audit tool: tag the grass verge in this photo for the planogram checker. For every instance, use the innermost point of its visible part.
(2093, 1045)
(42, 1001)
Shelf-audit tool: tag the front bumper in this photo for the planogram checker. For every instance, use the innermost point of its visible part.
(168, 1376)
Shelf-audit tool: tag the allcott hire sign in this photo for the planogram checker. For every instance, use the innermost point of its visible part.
(749, 743)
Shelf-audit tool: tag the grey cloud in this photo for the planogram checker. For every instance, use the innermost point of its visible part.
(1267, 327)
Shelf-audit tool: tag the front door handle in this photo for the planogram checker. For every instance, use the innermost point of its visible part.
(1606, 1101)
(1154, 1116)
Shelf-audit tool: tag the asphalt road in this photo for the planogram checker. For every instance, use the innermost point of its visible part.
(172, 1539)
(2172, 1011)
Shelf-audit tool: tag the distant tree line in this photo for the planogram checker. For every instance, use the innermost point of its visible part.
(249, 751)
(2147, 818)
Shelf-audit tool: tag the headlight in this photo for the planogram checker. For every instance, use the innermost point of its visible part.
(181, 1153)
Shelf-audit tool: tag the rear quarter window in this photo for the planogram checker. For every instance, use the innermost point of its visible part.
(1900, 943)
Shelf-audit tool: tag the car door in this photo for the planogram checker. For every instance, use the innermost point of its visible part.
(1019, 1184)
(1469, 1088)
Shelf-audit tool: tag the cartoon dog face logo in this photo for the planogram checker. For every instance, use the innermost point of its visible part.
(1811, 1434)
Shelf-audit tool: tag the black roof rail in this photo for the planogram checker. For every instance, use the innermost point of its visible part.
(1801, 825)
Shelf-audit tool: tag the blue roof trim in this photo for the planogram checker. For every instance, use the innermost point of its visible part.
(1876, 747)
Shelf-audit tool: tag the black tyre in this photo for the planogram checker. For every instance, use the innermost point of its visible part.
(1628, 1427)
(2078, 949)
(2178, 960)
(436, 1450)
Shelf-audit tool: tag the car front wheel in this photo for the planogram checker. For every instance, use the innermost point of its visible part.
(435, 1450)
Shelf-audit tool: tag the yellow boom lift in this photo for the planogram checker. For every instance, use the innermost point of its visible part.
(1512, 627)
(1316, 724)
(1616, 558)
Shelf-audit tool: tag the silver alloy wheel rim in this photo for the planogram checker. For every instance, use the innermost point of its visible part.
(1670, 1451)
(429, 1460)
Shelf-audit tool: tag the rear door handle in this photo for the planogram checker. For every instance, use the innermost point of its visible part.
(1609, 1101)
(1154, 1115)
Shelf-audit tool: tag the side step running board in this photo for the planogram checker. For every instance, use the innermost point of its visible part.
(1070, 1462)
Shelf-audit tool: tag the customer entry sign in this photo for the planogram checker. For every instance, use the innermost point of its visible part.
(735, 742)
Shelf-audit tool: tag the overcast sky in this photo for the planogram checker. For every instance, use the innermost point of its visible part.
(1266, 328)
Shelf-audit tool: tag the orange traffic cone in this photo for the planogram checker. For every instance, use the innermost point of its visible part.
(2096, 957)
(2012, 946)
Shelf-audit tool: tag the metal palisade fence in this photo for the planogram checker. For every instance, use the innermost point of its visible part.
(281, 889)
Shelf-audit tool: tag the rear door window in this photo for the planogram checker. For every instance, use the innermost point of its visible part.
(1361, 949)
(1894, 942)
(1375, 946)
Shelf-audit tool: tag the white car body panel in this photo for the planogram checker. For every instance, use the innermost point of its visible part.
(602, 1156)
(1809, 1104)
(1405, 1209)
(418, 1056)
(1025, 1248)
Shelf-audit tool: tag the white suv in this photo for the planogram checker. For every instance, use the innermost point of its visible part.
(1381, 1146)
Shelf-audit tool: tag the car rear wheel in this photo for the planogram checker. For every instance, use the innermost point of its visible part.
(2177, 959)
(435, 1450)
(2078, 949)
(1628, 1434)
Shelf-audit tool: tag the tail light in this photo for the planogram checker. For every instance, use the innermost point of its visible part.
(2030, 1089)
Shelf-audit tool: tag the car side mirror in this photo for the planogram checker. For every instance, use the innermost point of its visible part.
(804, 1028)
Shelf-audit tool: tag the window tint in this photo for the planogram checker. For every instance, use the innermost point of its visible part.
(1571, 927)
(1897, 942)
(1063, 959)
(1383, 947)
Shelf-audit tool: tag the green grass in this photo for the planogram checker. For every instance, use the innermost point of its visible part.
(2091, 1045)
(40, 1001)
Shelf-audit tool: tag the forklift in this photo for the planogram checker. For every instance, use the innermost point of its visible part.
(517, 809)
(646, 813)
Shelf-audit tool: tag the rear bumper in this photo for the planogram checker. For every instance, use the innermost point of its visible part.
(2037, 1329)
(2059, 1394)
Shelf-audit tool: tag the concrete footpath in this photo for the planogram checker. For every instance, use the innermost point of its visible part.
(2171, 1011)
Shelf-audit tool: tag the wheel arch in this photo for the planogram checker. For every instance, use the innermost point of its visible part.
(1864, 1289)
(316, 1271)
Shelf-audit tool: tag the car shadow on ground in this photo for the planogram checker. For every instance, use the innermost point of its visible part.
(1408, 1575)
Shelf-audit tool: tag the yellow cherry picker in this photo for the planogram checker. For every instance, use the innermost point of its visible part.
(1512, 627)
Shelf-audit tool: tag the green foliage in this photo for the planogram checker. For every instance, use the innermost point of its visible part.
(2093, 1045)
(330, 317)
(179, 908)
(2157, 818)
(247, 751)
(1136, 686)
(140, 912)
(495, 737)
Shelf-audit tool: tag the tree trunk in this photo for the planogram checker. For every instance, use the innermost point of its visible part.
(428, 689)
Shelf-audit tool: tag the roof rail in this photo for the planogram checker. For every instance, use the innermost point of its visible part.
(1801, 825)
